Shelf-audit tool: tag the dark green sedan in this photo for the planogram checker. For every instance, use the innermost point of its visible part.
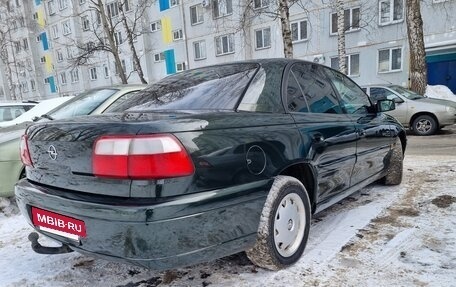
(207, 163)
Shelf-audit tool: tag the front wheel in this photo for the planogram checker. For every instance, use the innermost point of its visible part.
(396, 165)
(424, 125)
(284, 225)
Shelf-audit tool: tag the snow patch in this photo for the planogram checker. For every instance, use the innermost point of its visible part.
(440, 92)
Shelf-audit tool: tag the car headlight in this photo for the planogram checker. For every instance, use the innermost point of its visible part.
(451, 110)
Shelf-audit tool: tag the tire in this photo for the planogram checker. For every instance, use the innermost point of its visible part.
(424, 125)
(281, 239)
(396, 165)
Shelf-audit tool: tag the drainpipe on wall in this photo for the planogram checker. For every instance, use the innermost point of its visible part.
(184, 31)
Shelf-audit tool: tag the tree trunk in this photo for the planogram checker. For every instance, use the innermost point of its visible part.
(109, 30)
(286, 32)
(341, 37)
(418, 69)
(136, 62)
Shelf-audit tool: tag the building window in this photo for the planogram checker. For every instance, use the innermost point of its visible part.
(113, 9)
(257, 4)
(199, 48)
(63, 4)
(299, 31)
(351, 20)
(178, 35)
(118, 38)
(196, 14)
(93, 73)
(124, 65)
(390, 60)
(224, 44)
(125, 5)
(38, 38)
(66, 27)
(43, 60)
(55, 31)
(51, 7)
(155, 26)
(159, 57)
(352, 62)
(173, 3)
(222, 8)
(85, 23)
(181, 67)
(25, 44)
(75, 76)
(32, 85)
(17, 45)
(59, 55)
(106, 70)
(81, 2)
(23, 87)
(69, 52)
(391, 11)
(263, 38)
(63, 79)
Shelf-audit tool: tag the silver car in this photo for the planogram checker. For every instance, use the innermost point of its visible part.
(424, 116)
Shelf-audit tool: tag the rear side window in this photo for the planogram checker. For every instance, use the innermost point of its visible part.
(9, 113)
(218, 87)
(315, 93)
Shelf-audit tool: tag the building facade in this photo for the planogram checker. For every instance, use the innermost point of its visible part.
(175, 35)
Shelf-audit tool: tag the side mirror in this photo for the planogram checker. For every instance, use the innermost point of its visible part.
(385, 105)
(398, 100)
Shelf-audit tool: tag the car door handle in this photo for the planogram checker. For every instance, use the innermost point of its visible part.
(318, 138)
(361, 133)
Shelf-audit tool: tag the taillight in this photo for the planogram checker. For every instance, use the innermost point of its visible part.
(24, 150)
(140, 157)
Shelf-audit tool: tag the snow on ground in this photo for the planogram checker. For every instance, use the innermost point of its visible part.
(380, 236)
(440, 92)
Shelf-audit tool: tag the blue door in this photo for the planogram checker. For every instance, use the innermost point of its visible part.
(442, 70)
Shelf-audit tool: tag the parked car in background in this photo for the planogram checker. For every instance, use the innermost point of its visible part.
(424, 116)
(11, 110)
(42, 107)
(207, 163)
(92, 102)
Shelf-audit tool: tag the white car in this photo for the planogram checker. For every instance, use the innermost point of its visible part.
(42, 108)
(11, 110)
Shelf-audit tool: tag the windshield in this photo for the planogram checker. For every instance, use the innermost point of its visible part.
(218, 87)
(83, 104)
(406, 93)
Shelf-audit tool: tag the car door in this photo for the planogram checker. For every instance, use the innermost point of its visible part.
(374, 132)
(400, 113)
(328, 135)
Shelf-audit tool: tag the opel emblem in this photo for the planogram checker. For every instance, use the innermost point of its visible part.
(52, 152)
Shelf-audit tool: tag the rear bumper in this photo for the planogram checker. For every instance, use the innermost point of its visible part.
(189, 229)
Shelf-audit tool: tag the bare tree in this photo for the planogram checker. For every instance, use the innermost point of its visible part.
(106, 34)
(284, 15)
(130, 29)
(418, 70)
(341, 36)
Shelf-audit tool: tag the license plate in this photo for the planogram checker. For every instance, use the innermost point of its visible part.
(58, 224)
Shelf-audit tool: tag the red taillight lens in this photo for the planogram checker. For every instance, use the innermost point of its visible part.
(25, 154)
(140, 157)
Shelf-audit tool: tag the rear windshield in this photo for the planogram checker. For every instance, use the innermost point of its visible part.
(217, 87)
(83, 104)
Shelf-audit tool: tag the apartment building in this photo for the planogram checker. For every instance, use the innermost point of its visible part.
(175, 35)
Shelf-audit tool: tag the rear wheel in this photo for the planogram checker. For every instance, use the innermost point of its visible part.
(284, 225)
(395, 168)
(424, 125)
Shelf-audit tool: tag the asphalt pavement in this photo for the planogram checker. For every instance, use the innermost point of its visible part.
(442, 143)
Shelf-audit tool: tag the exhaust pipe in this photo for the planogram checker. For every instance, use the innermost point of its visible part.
(38, 248)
